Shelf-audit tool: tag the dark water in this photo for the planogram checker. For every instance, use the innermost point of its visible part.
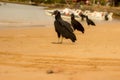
(24, 15)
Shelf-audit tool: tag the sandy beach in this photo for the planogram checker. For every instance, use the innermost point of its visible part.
(29, 53)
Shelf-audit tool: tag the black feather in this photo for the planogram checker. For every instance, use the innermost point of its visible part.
(89, 21)
(76, 25)
(63, 28)
(82, 16)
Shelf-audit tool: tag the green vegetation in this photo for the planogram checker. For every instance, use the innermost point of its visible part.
(102, 2)
(39, 1)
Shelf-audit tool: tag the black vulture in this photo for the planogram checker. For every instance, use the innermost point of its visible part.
(76, 25)
(89, 21)
(82, 16)
(63, 28)
(106, 17)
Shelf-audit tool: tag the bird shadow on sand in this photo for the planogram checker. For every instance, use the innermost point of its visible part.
(64, 43)
(56, 43)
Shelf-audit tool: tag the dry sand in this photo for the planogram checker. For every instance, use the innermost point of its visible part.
(29, 54)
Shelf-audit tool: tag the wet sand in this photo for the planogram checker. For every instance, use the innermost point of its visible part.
(29, 54)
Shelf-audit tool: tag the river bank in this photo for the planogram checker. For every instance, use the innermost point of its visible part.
(114, 10)
(29, 53)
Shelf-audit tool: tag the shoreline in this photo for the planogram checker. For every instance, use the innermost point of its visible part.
(115, 10)
(28, 52)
